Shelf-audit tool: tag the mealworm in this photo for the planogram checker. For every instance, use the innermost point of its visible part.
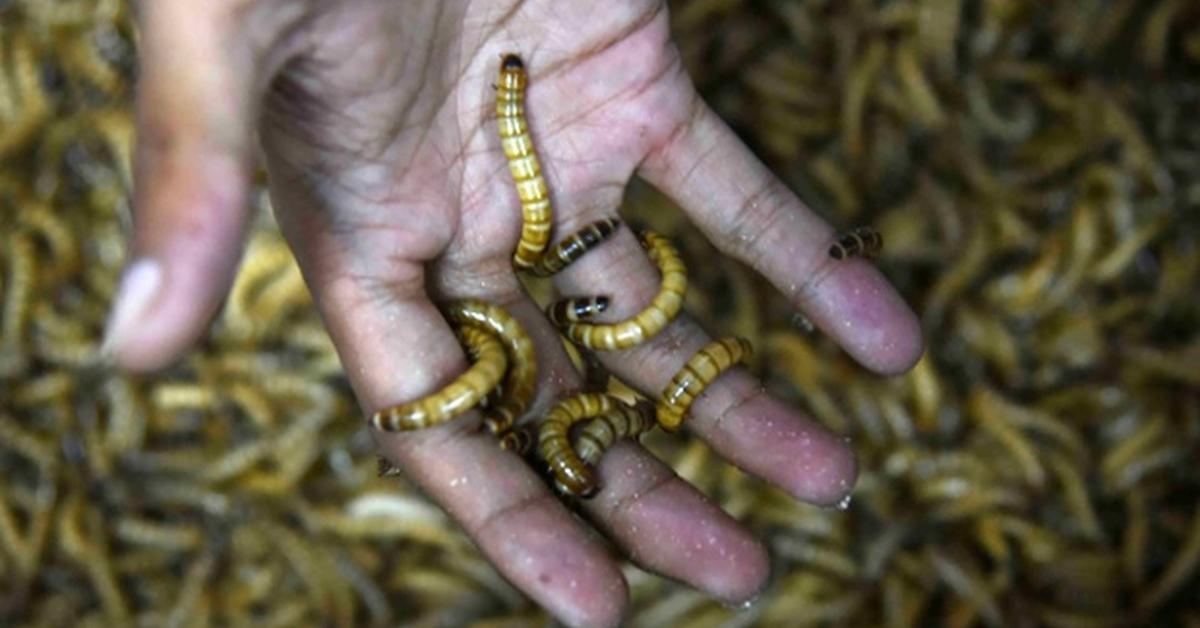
(567, 311)
(522, 162)
(461, 394)
(863, 241)
(600, 433)
(705, 366)
(574, 246)
(518, 388)
(648, 322)
(517, 440)
(571, 475)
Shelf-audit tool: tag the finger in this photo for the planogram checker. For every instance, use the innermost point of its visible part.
(749, 214)
(200, 78)
(750, 428)
(666, 526)
(657, 519)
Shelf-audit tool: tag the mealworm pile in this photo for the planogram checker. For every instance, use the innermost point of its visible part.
(1033, 170)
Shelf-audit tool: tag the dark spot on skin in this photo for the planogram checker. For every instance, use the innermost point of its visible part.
(544, 579)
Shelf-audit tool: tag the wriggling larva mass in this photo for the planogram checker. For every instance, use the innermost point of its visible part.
(863, 241)
(571, 474)
(522, 162)
(648, 322)
(459, 396)
(521, 378)
(700, 371)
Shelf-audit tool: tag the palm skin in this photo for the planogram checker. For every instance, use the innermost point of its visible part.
(376, 122)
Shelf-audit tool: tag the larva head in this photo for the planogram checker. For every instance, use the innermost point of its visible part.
(576, 481)
(512, 62)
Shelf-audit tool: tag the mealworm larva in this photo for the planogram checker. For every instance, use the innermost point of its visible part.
(567, 311)
(521, 379)
(571, 475)
(458, 396)
(522, 162)
(600, 433)
(517, 440)
(648, 322)
(701, 370)
(574, 246)
(863, 241)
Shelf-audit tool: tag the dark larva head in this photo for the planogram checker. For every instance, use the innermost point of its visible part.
(512, 62)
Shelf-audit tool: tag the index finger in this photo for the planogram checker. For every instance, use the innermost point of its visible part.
(747, 212)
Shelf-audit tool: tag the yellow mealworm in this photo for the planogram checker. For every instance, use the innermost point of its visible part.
(600, 433)
(567, 311)
(458, 396)
(648, 322)
(574, 246)
(571, 475)
(522, 162)
(863, 241)
(517, 440)
(521, 378)
(700, 371)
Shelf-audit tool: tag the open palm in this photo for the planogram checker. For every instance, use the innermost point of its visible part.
(376, 121)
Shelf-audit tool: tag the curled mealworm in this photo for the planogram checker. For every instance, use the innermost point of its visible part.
(519, 382)
(517, 440)
(522, 162)
(574, 246)
(600, 433)
(705, 366)
(571, 474)
(863, 241)
(648, 322)
(459, 395)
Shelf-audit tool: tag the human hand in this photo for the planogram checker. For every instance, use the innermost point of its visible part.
(376, 122)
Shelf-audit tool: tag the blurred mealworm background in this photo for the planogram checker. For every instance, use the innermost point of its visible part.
(1033, 167)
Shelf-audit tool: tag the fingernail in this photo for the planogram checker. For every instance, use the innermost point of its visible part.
(139, 286)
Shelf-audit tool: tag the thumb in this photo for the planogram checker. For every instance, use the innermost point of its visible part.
(201, 76)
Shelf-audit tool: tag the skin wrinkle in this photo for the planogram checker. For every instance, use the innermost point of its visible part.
(629, 93)
(680, 131)
(755, 392)
(584, 55)
(619, 511)
(516, 506)
(758, 217)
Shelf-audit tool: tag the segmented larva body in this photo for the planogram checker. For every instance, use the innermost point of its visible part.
(576, 309)
(521, 379)
(574, 246)
(600, 433)
(863, 241)
(522, 162)
(517, 440)
(648, 322)
(457, 397)
(571, 475)
(701, 370)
